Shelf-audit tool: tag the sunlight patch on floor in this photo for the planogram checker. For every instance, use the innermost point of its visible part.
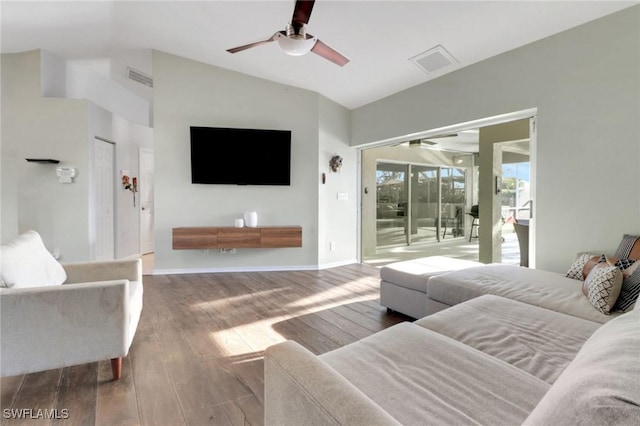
(221, 304)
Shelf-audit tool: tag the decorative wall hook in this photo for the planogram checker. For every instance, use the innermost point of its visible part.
(335, 163)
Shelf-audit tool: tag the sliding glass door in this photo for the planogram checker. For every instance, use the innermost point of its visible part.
(453, 201)
(418, 203)
(425, 193)
(392, 189)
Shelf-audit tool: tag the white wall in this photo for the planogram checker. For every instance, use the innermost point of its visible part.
(585, 83)
(82, 83)
(189, 93)
(36, 127)
(138, 59)
(63, 129)
(53, 82)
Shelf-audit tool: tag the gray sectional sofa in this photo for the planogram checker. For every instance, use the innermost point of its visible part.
(489, 360)
(536, 287)
(424, 286)
(494, 345)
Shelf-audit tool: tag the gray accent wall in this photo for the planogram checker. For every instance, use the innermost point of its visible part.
(189, 93)
(585, 84)
(338, 196)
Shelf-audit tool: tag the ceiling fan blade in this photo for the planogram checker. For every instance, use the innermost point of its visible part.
(447, 135)
(302, 13)
(329, 53)
(250, 45)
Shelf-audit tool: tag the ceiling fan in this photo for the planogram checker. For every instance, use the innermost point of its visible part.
(295, 40)
(420, 142)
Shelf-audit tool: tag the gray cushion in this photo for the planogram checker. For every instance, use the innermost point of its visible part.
(533, 286)
(601, 386)
(536, 340)
(419, 376)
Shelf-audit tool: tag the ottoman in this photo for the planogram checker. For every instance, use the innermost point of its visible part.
(403, 285)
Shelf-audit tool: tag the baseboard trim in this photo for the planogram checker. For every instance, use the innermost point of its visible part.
(266, 268)
(336, 264)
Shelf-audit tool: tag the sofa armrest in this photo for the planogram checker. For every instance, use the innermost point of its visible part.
(50, 327)
(300, 388)
(81, 272)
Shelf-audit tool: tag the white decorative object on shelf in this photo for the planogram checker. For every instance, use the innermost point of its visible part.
(239, 222)
(251, 219)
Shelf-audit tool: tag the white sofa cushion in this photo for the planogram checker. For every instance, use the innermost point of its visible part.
(25, 262)
(600, 386)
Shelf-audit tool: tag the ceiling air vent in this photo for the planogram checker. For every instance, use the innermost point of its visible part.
(433, 59)
(139, 77)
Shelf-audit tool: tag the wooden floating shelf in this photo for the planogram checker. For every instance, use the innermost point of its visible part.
(42, 160)
(196, 238)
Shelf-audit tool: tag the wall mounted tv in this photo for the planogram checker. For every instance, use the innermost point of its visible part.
(240, 156)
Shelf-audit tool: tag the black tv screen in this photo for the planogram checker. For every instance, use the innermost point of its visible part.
(240, 156)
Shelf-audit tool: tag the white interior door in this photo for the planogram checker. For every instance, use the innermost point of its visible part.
(104, 153)
(145, 187)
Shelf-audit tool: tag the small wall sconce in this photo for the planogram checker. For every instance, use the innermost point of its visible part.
(130, 184)
(335, 163)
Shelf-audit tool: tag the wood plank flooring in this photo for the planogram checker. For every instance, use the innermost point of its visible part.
(197, 357)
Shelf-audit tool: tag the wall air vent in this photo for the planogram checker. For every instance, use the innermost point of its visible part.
(433, 59)
(139, 77)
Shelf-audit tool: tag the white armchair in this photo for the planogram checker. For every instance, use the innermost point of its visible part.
(91, 316)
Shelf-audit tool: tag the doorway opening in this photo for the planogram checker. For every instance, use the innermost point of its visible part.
(515, 200)
(419, 195)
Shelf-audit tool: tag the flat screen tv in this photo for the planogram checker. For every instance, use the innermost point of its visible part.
(240, 156)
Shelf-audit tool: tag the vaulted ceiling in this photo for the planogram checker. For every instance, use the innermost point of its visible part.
(379, 37)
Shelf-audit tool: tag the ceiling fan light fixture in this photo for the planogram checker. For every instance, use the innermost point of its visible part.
(295, 40)
(296, 46)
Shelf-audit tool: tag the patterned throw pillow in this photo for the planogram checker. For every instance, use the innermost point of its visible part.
(593, 262)
(629, 247)
(575, 271)
(604, 283)
(630, 286)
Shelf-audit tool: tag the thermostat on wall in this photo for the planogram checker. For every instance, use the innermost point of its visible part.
(65, 174)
